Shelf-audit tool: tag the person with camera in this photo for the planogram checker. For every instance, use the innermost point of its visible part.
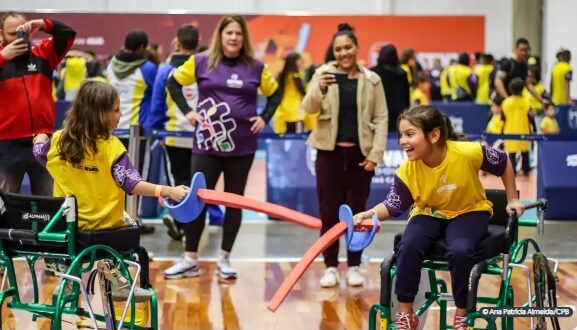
(350, 136)
(26, 105)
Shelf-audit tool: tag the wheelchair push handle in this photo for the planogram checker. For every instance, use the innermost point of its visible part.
(541, 205)
(18, 235)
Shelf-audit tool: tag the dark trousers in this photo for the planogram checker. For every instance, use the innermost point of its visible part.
(462, 234)
(340, 180)
(235, 171)
(179, 163)
(16, 159)
(525, 167)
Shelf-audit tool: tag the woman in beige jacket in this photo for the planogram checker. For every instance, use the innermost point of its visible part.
(350, 137)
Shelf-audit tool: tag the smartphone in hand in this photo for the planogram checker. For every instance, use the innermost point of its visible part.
(22, 35)
(340, 77)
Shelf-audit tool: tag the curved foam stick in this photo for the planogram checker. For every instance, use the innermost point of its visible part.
(295, 274)
(358, 237)
(319, 246)
(191, 206)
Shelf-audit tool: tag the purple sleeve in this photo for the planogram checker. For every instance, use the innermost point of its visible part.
(569, 76)
(472, 81)
(399, 198)
(124, 173)
(494, 161)
(40, 151)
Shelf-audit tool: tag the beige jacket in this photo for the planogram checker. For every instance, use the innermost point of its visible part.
(372, 114)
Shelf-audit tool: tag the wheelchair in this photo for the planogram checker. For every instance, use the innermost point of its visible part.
(35, 227)
(500, 251)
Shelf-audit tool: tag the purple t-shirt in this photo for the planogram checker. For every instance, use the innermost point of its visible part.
(227, 100)
(399, 198)
(123, 171)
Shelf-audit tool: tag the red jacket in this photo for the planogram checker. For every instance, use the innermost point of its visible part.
(26, 104)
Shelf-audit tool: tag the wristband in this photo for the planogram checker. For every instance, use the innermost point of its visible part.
(157, 190)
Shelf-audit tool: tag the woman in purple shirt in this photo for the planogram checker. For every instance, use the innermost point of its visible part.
(226, 127)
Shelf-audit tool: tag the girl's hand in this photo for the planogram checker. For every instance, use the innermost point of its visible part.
(177, 194)
(40, 138)
(516, 205)
(368, 165)
(366, 215)
(257, 124)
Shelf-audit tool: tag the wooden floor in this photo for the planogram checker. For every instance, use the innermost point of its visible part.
(209, 303)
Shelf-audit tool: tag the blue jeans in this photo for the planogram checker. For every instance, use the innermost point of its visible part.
(16, 159)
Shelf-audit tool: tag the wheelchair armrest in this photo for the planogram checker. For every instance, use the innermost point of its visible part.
(386, 280)
(24, 235)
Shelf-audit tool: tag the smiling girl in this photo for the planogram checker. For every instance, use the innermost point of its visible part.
(350, 138)
(440, 183)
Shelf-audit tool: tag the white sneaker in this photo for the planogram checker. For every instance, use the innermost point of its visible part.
(354, 277)
(330, 278)
(225, 269)
(182, 268)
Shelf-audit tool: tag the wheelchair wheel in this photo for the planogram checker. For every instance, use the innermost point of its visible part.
(424, 287)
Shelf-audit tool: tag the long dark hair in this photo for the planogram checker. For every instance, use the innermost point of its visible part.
(388, 55)
(288, 70)
(427, 118)
(87, 121)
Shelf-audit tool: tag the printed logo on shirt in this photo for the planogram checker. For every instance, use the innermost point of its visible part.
(188, 93)
(215, 132)
(234, 82)
(32, 67)
(445, 188)
(86, 168)
(571, 160)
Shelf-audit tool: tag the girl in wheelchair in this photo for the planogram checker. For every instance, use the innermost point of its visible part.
(439, 182)
(86, 161)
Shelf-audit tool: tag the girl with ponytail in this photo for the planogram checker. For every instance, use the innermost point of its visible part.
(439, 183)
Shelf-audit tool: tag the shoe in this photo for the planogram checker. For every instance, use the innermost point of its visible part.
(55, 267)
(406, 321)
(120, 286)
(146, 229)
(330, 278)
(182, 268)
(172, 228)
(460, 323)
(225, 269)
(354, 277)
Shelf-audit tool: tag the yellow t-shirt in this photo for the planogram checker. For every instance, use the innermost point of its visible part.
(535, 104)
(450, 189)
(418, 97)
(74, 74)
(483, 71)
(549, 126)
(100, 199)
(289, 110)
(560, 74)
(516, 110)
(495, 125)
(409, 72)
(458, 79)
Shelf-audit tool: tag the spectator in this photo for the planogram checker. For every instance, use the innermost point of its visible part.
(409, 64)
(435, 79)
(561, 76)
(549, 125)
(395, 83)
(495, 125)
(420, 95)
(518, 118)
(226, 122)
(461, 80)
(350, 138)
(26, 103)
(515, 67)
(534, 77)
(483, 72)
(133, 77)
(289, 117)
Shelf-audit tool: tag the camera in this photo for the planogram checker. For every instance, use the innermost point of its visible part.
(22, 35)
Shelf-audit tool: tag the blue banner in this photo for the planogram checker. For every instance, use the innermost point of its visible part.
(557, 178)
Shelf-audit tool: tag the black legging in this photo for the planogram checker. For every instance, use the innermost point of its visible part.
(235, 175)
